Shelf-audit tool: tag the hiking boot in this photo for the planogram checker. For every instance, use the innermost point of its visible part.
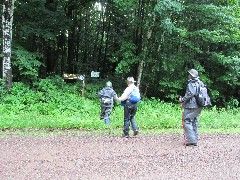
(191, 144)
(125, 135)
(135, 133)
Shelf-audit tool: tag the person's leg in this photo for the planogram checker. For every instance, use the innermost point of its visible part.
(195, 127)
(134, 124)
(132, 120)
(188, 116)
(102, 114)
(107, 115)
(189, 133)
(126, 121)
(195, 122)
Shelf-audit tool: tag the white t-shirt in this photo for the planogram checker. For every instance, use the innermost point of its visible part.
(127, 92)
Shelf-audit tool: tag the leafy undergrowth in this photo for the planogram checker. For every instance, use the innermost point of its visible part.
(56, 105)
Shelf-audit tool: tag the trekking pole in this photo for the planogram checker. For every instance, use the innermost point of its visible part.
(184, 134)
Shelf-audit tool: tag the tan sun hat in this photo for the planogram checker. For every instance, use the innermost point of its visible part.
(130, 79)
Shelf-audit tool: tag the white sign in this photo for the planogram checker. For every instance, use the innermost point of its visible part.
(81, 77)
(95, 74)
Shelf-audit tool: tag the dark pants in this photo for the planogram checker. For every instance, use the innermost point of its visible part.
(190, 117)
(130, 110)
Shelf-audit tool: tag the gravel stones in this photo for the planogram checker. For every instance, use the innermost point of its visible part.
(110, 157)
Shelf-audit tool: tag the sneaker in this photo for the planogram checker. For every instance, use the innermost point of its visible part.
(135, 133)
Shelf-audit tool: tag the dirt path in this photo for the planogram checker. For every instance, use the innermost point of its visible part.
(110, 157)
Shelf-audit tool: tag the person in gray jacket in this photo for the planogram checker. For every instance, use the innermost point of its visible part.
(191, 109)
(107, 95)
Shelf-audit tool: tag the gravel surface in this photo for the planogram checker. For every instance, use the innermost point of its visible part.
(164, 156)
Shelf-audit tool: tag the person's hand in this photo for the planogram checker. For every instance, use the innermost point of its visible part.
(180, 99)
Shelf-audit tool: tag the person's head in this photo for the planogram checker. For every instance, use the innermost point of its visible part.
(193, 74)
(130, 80)
(108, 84)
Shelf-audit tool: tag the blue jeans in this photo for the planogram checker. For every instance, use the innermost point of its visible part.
(130, 110)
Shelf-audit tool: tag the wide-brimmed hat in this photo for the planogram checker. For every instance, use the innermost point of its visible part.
(193, 73)
(130, 79)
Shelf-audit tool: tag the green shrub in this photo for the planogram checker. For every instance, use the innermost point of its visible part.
(52, 103)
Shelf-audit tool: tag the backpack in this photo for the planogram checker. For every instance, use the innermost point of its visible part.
(135, 95)
(106, 96)
(202, 97)
(106, 101)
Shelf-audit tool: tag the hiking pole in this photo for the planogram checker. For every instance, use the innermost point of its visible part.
(184, 133)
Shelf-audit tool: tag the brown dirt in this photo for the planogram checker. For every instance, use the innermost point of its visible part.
(147, 157)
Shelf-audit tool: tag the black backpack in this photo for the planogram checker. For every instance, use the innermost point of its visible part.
(202, 97)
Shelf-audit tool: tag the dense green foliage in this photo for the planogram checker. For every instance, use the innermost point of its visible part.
(49, 105)
(115, 36)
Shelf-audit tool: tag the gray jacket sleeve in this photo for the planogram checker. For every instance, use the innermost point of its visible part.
(189, 97)
(100, 93)
(190, 92)
(114, 95)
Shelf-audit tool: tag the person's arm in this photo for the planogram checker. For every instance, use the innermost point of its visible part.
(100, 93)
(115, 96)
(190, 92)
(125, 94)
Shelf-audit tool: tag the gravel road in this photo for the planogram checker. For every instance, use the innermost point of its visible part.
(149, 157)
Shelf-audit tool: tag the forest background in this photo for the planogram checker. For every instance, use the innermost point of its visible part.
(155, 41)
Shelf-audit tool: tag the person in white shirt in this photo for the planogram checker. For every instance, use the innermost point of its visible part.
(130, 109)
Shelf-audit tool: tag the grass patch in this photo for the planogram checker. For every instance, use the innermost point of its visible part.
(49, 107)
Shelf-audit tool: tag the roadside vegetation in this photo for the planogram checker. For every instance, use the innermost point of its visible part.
(156, 42)
(52, 104)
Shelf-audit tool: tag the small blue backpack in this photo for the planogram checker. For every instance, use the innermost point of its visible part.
(135, 95)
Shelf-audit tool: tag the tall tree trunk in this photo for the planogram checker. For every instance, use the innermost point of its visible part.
(71, 37)
(100, 59)
(140, 71)
(71, 51)
(139, 36)
(108, 17)
(7, 18)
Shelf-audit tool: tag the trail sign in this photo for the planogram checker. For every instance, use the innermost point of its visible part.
(95, 74)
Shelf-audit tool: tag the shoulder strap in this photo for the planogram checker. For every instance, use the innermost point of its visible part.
(198, 85)
(132, 90)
